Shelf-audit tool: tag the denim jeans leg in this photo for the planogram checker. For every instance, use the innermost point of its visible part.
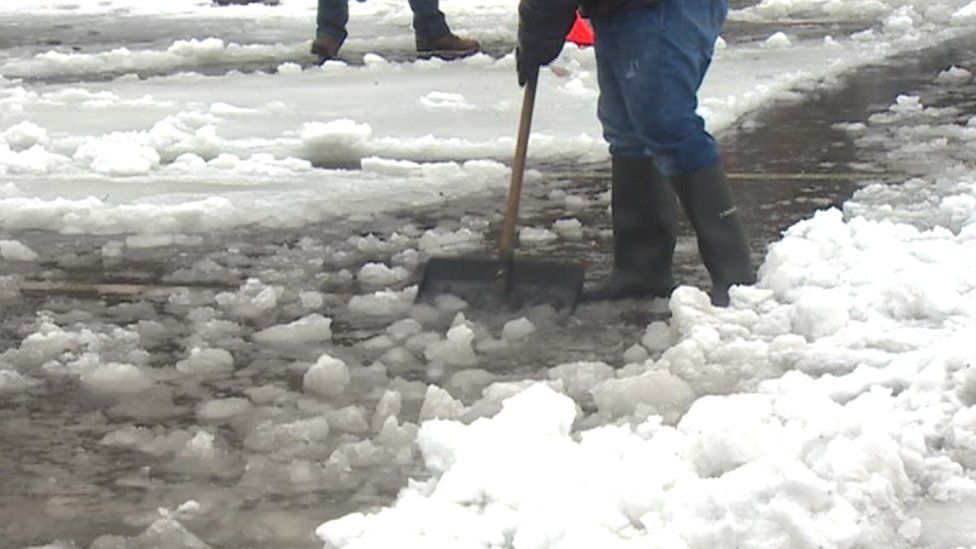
(331, 18)
(611, 107)
(651, 63)
(428, 20)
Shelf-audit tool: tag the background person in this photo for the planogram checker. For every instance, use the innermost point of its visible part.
(433, 37)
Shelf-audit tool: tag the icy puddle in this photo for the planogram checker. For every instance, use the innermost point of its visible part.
(255, 384)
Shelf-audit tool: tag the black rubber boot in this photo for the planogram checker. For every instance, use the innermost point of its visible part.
(644, 219)
(707, 200)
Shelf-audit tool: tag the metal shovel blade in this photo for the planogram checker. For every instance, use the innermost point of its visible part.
(489, 283)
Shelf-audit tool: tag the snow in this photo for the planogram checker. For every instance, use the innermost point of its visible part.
(830, 406)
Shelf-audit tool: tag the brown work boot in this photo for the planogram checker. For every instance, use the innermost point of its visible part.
(447, 46)
(326, 47)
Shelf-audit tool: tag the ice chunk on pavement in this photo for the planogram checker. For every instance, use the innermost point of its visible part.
(351, 419)
(328, 377)
(252, 300)
(311, 300)
(517, 330)
(24, 135)
(580, 378)
(165, 532)
(439, 404)
(439, 241)
(388, 406)
(153, 403)
(438, 100)
(403, 329)
(206, 362)
(9, 287)
(468, 384)
(203, 454)
(268, 437)
(116, 156)
(338, 141)
(900, 21)
(456, 350)
(268, 394)
(14, 250)
(289, 68)
(145, 440)
(221, 409)
(533, 235)
(657, 337)
(447, 303)
(635, 354)
(400, 360)
(965, 15)
(778, 40)
(14, 382)
(668, 395)
(113, 249)
(419, 342)
(378, 274)
(117, 378)
(310, 329)
(570, 229)
(384, 302)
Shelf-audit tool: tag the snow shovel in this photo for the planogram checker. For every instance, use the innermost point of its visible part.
(492, 282)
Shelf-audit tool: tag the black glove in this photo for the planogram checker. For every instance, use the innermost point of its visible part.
(542, 29)
(534, 51)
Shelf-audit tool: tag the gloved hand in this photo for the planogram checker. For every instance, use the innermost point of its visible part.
(533, 52)
(542, 29)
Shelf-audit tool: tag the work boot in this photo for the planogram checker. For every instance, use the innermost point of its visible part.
(707, 200)
(644, 220)
(326, 47)
(447, 46)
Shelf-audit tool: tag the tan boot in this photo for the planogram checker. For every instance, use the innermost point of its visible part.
(447, 46)
(326, 47)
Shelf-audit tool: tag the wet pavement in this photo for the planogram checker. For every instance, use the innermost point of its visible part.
(784, 164)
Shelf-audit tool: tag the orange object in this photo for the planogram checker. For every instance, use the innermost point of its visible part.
(581, 34)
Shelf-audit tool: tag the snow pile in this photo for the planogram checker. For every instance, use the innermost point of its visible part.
(842, 394)
(181, 54)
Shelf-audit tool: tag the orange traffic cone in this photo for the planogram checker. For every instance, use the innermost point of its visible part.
(581, 34)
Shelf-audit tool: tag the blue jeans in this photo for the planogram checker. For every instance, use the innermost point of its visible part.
(650, 63)
(428, 20)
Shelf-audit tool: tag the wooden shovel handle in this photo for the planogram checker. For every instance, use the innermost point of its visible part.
(506, 247)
